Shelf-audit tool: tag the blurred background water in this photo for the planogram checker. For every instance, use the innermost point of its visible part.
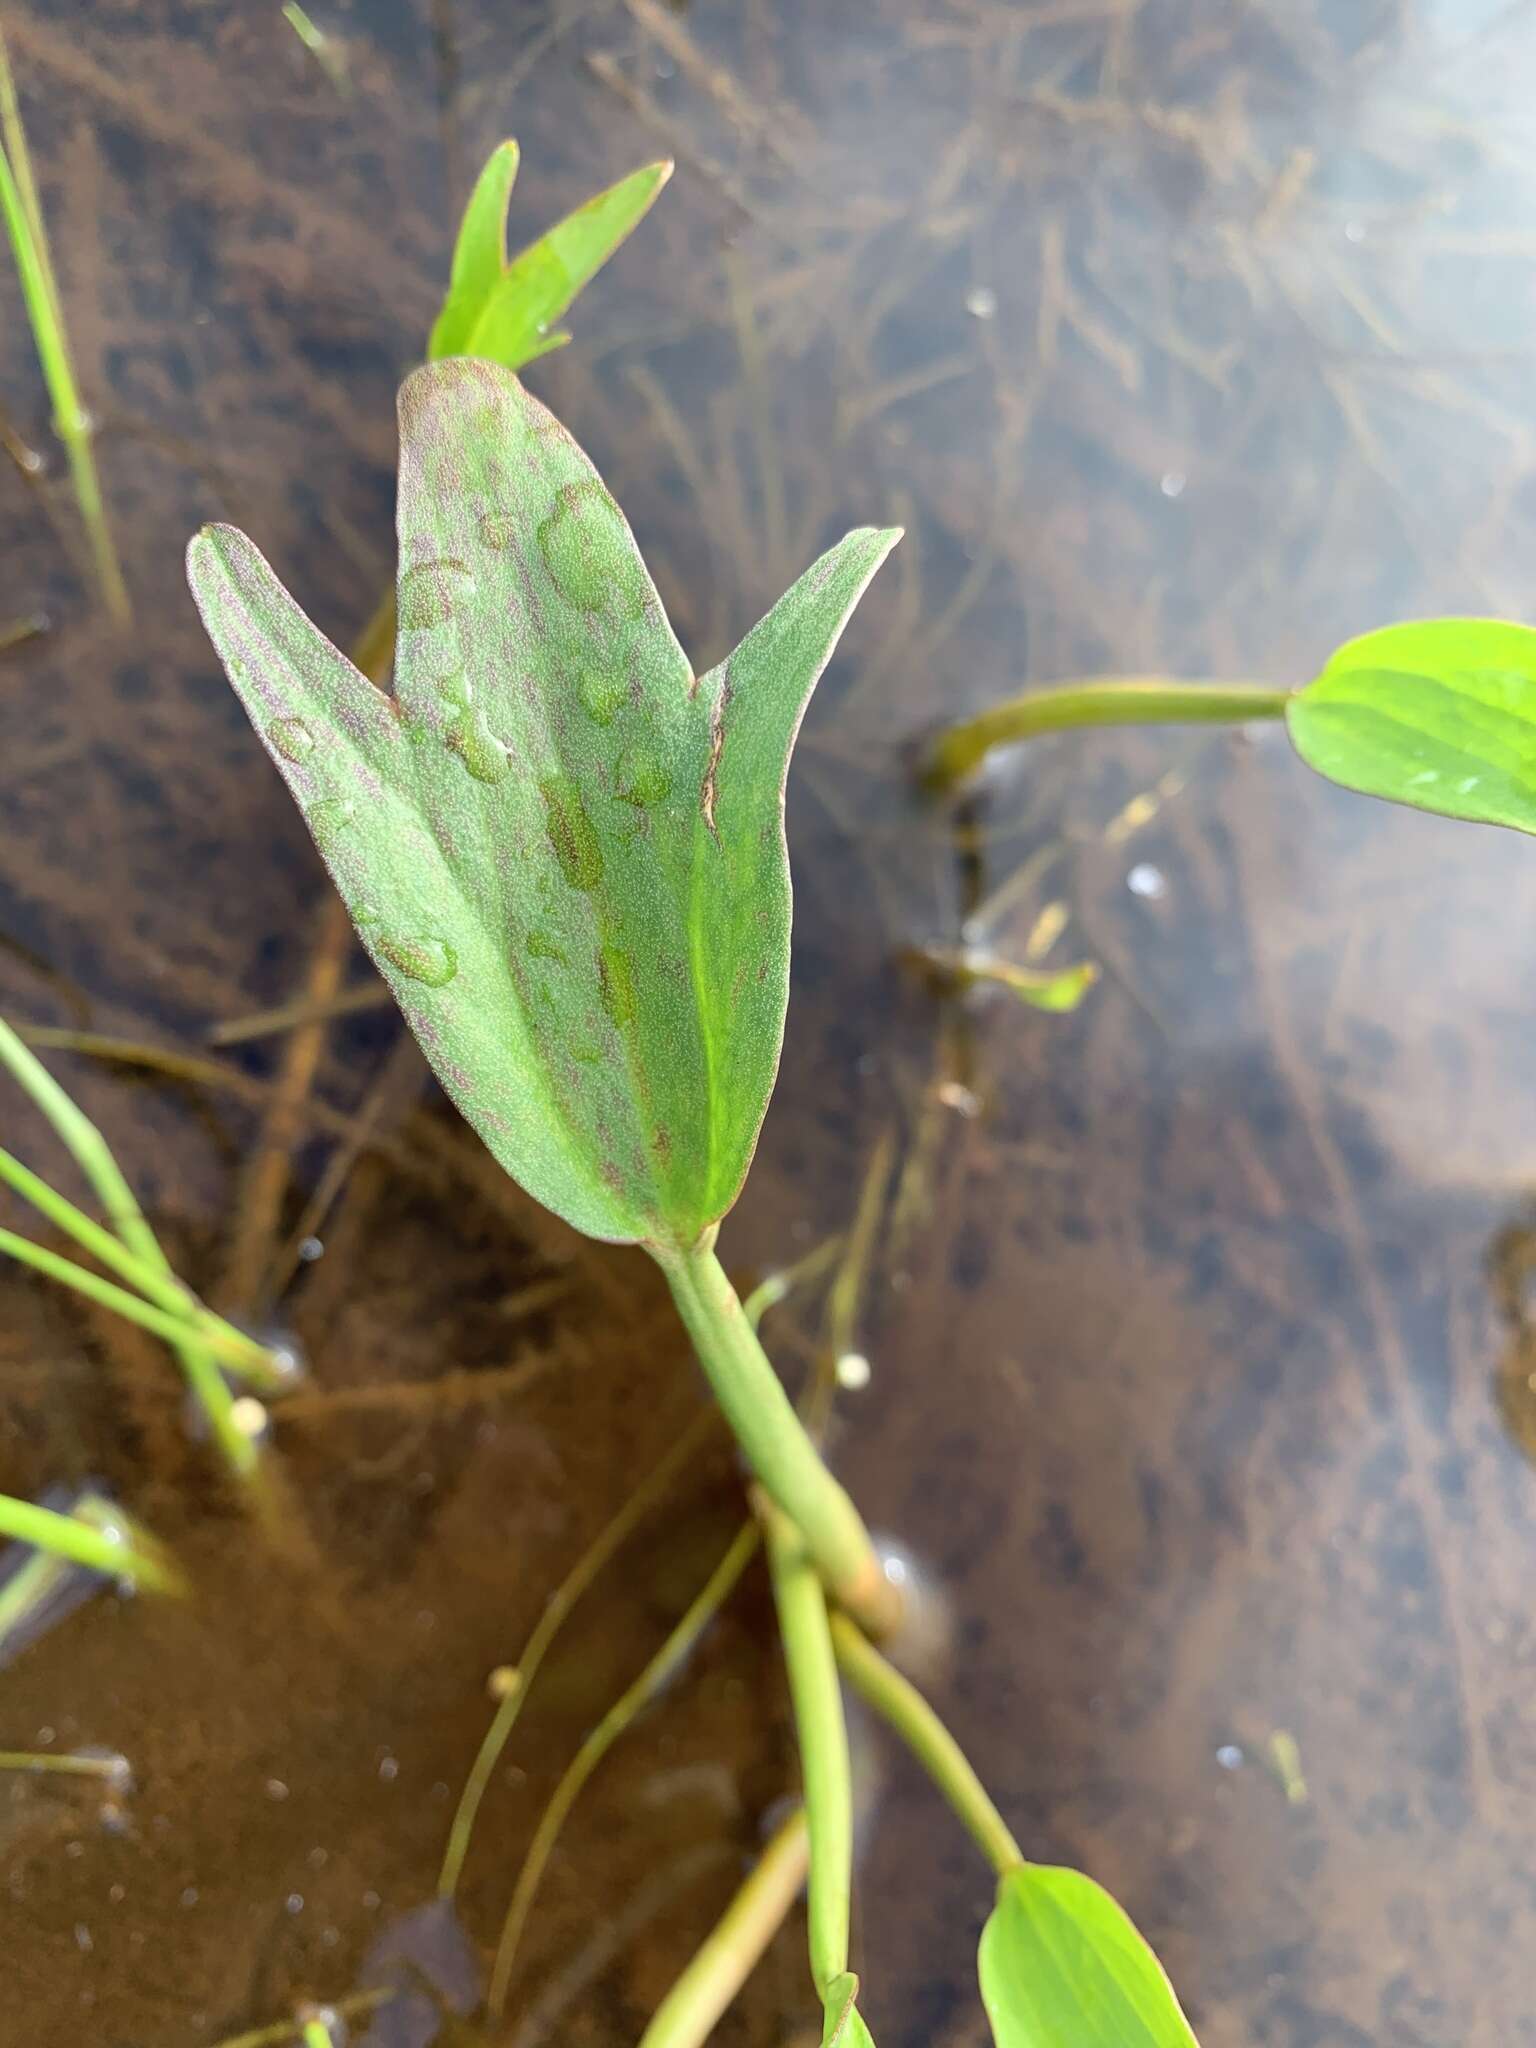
(1182, 337)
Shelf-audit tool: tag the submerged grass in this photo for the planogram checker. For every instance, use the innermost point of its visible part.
(105, 1541)
(34, 266)
(674, 1652)
(201, 1341)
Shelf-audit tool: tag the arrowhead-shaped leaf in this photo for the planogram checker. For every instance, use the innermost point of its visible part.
(1440, 715)
(842, 2025)
(565, 855)
(1062, 1966)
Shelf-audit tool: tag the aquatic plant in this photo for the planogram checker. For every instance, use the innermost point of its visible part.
(1437, 714)
(565, 854)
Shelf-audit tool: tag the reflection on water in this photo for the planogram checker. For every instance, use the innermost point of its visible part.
(1189, 338)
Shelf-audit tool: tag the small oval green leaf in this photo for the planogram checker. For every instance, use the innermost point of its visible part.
(1439, 715)
(564, 853)
(1062, 1966)
(842, 2024)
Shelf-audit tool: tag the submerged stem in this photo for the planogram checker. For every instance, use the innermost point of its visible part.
(113, 1551)
(735, 1945)
(1094, 700)
(570, 1590)
(898, 1701)
(208, 1332)
(129, 1226)
(780, 1452)
(823, 1736)
(703, 1609)
(34, 267)
(47, 1763)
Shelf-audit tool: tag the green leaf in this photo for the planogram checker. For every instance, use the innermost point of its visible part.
(1062, 1966)
(842, 2026)
(479, 254)
(565, 855)
(515, 323)
(1440, 715)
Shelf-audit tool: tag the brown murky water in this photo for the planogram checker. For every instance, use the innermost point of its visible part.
(1182, 337)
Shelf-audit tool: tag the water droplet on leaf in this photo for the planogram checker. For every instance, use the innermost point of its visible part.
(478, 747)
(329, 818)
(432, 961)
(589, 554)
(431, 593)
(641, 778)
(292, 738)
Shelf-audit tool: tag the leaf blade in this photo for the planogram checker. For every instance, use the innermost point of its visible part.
(739, 878)
(1063, 1966)
(479, 253)
(1439, 715)
(518, 832)
(515, 321)
(338, 742)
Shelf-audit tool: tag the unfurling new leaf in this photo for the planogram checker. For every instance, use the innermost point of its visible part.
(505, 312)
(1062, 1966)
(564, 852)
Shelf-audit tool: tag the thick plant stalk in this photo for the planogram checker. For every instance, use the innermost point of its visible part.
(825, 1766)
(785, 1461)
(735, 1946)
(899, 1702)
(1095, 700)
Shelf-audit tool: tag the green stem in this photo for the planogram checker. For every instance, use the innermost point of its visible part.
(735, 1945)
(825, 1767)
(672, 1654)
(898, 1701)
(240, 1354)
(556, 1613)
(81, 1542)
(29, 244)
(92, 1154)
(44, 1762)
(26, 1592)
(777, 1446)
(1095, 700)
(356, 2006)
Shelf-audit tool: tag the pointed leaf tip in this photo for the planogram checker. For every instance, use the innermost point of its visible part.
(1061, 1962)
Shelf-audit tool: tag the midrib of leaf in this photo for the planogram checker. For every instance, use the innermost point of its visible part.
(705, 848)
